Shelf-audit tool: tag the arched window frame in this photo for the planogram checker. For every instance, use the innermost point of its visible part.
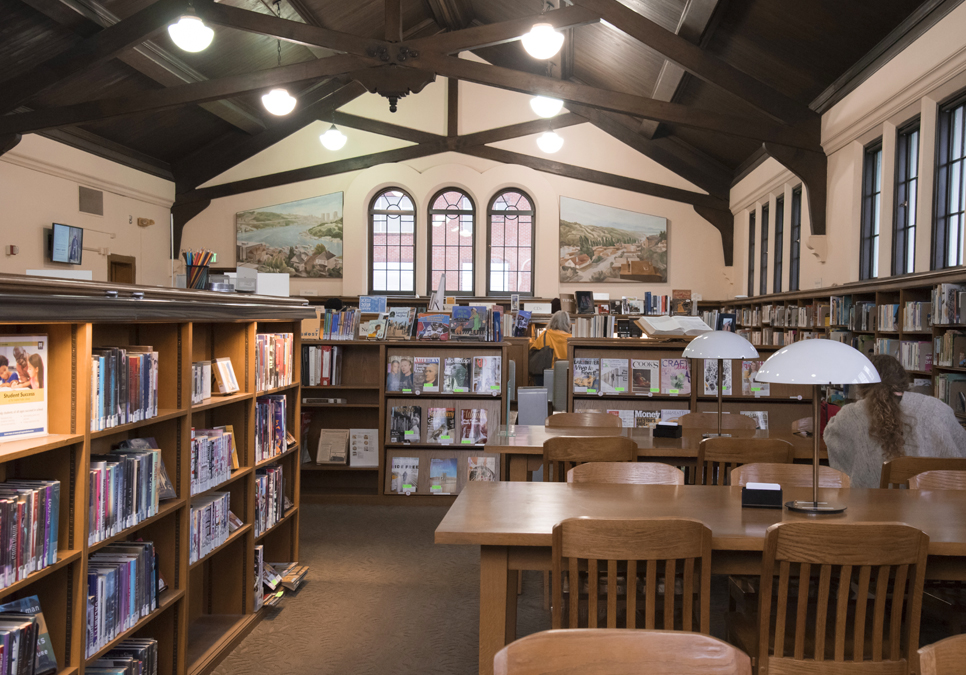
(373, 212)
(470, 243)
(491, 212)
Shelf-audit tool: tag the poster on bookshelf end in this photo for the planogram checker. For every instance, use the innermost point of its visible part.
(23, 393)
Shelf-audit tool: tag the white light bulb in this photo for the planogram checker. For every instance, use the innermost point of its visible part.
(545, 106)
(549, 142)
(542, 41)
(333, 139)
(190, 33)
(279, 102)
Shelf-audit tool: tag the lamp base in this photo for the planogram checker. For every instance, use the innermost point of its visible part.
(814, 508)
(713, 435)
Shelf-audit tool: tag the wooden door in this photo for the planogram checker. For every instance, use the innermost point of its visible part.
(121, 269)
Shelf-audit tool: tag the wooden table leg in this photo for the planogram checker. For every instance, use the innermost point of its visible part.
(495, 579)
(513, 589)
(518, 467)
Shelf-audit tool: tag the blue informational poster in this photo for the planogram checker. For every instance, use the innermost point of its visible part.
(372, 304)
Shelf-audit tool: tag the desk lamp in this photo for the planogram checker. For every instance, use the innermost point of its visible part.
(720, 345)
(817, 363)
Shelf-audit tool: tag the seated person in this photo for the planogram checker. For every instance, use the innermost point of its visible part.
(555, 336)
(888, 422)
(8, 375)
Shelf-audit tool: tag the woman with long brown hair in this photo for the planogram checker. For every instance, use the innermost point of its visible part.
(888, 422)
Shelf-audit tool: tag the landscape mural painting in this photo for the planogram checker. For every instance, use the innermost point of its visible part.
(303, 238)
(598, 243)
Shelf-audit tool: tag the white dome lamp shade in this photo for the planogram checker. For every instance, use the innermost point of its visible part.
(333, 139)
(543, 42)
(546, 107)
(279, 102)
(549, 142)
(190, 33)
(818, 363)
(720, 345)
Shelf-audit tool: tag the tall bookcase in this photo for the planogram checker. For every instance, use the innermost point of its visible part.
(208, 606)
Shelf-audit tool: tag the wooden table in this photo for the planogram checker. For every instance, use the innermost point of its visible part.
(512, 523)
(523, 445)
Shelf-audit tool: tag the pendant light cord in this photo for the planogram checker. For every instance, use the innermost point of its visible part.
(278, 41)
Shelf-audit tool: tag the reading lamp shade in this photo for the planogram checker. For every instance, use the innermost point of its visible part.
(818, 362)
(720, 344)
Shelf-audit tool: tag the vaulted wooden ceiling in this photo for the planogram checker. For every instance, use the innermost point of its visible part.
(704, 87)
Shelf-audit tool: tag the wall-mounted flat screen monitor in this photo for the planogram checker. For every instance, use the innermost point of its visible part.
(66, 244)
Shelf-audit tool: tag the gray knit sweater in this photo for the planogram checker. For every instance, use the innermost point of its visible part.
(935, 433)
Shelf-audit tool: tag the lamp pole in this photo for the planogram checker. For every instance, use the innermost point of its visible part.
(720, 391)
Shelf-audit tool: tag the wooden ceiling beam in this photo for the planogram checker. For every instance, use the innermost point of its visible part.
(519, 130)
(197, 92)
(8, 142)
(505, 31)
(393, 22)
(452, 14)
(382, 128)
(88, 53)
(452, 107)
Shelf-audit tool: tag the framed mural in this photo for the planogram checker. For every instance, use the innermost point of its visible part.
(302, 238)
(597, 242)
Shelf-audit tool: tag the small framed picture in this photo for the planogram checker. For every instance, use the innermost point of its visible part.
(726, 322)
(225, 376)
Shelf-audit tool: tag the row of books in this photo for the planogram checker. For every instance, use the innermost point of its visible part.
(460, 375)
(640, 419)
(795, 316)
(124, 386)
(126, 487)
(276, 578)
(659, 376)
(213, 457)
(950, 349)
(201, 379)
(29, 522)
(406, 425)
(274, 360)
(270, 420)
(339, 324)
(321, 365)
(358, 447)
(25, 645)
(200, 382)
(949, 303)
(269, 498)
(917, 316)
(950, 388)
(134, 656)
(477, 323)
(913, 355)
(863, 343)
(122, 588)
(888, 315)
(443, 478)
(209, 524)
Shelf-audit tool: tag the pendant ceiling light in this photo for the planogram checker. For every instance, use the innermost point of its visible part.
(333, 139)
(545, 106)
(543, 41)
(190, 33)
(278, 101)
(550, 142)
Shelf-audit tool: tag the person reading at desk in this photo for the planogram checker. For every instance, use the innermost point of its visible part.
(890, 421)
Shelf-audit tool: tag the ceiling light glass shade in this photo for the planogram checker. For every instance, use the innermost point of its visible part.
(333, 139)
(542, 41)
(190, 33)
(545, 106)
(818, 362)
(278, 102)
(549, 142)
(720, 344)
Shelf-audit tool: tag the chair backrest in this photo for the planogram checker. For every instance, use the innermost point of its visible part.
(620, 652)
(938, 480)
(897, 472)
(583, 419)
(563, 453)
(579, 543)
(718, 456)
(788, 475)
(879, 559)
(645, 473)
(945, 657)
(709, 420)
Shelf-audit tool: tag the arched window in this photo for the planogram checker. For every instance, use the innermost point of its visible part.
(392, 237)
(509, 240)
(452, 241)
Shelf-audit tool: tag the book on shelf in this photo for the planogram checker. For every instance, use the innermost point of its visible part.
(456, 374)
(586, 375)
(259, 598)
(681, 302)
(405, 475)
(673, 414)
(210, 459)
(234, 522)
(124, 386)
(658, 326)
(225, 376)
(426, 374)
(269, 498)
(584, 301)
(950, 349)
(614, 376)
(441, 425)
(399, 323)
(626, 417)
(270, 419)
(291, 574)
(45, 662)
(209, 524)
(123, 491)
(951, 390)
(363, 447)
(274, 353)
(399, 374)
(645, 376)
(522, 324)
(122, 589)
(321, 365)
(373, 329)
(442, 476)
(29, 525)
(18, 642)
(481, 469)
(675, 377)
(948, 303)
(165, 487)
(749, 386)
(760, 417)
(134, 656)
(468, 323)
(200, 381)
(473, 427)
(339, 324)
(372, 304)
(487, 374)
(432, 327)
(333, 445)
(405, 423)
(915, 355)
(711, 377)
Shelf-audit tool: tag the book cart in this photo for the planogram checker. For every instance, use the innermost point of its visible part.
(208, 606)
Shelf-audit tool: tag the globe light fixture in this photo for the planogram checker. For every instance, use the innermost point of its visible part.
(546, 107)
(333, 139)
(190, 33)
(542, 42)
(279, 102)
(550, 142)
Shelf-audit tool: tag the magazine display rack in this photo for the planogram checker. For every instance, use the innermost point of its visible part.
(208, 605)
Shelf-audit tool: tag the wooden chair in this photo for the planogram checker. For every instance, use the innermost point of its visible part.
(579, 543)
(620, 652)
(709, 420)
(897, 472)
(945, 657)
(788, 475)
(938, 480)
(820, 628)
(583, 419)
(645, 473)
(562, 453)
(718, 456)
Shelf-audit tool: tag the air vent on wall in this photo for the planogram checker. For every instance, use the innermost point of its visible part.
(91, 201)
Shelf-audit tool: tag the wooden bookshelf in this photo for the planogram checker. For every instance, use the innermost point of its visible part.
(208, 606)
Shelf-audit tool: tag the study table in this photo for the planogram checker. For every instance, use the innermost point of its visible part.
(512, 523)
(522, 445)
